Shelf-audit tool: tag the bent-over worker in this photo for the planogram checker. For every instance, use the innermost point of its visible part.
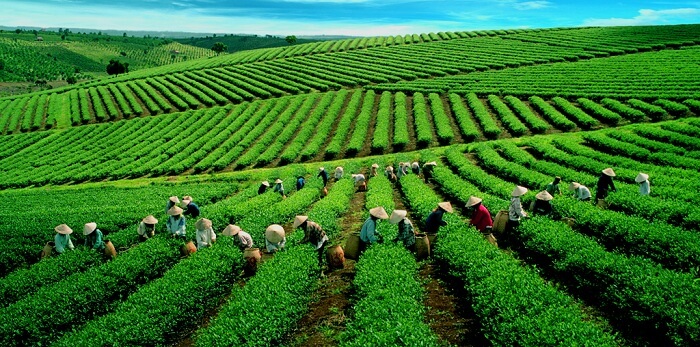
(93, 237)
(515, 210)
(147, 227)
(275, 238)
(240, 238)
(543, 203)
(176, 223)
(481, 217)
(581, 192)
(407, 234)
(172, 201)
(313, 234)
(300, 182)
(373, 170)
(553, 187)
(428, 170)
(263, 187)
(205, 234)
(605, 183)
(323, 174)
(191, 209)
(643, 180)
(339, 173)
(368, 233)
(62, 240)
(434, 220)
(415, 168)
(278, 188)
(360, 182)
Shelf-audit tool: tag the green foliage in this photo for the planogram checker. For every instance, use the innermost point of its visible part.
(115, 67)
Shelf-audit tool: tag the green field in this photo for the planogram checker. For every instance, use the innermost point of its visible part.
(494, 109)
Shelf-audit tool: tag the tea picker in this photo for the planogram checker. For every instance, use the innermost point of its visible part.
(481, 217)
(373, 169)
(605, 183)
(313, 234)
(553, 187)
(434, 220)
(368, 233)
(93, 237)
(191, 209)
(643, 180)
(542, 204)
(279, 188)
(241, 238)
(275, 238)
(62, 240)
(263, 187)
(581, 192)
(205, 234)
(176, 223)
(360, 182)
(323, 174)
(339, 171)
(515, 210)
(172, 201)
(147, 227)
(407, 234)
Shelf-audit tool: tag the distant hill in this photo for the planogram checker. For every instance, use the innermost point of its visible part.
(237, 43)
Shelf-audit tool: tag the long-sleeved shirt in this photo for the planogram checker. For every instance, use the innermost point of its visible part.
(262, 189)
(143, 231)
(324, 176)
(644, 188)
(481, 218)
(338, 174)
(434, 222)
(552, 188)
(275, 246)
(314, 234)
(300, 183)
(94, 240)
(62, 242)
(243, 240)
(582, 193)
(205, 237)
(368, 234)
(542, 207)
(279, 188)
(515, 210)
(407, 234)
(359, 178)
(191, 210)
(605, 183)
(400, 173)
(176, 226)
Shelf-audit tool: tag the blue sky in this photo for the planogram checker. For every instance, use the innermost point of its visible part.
(340, 17)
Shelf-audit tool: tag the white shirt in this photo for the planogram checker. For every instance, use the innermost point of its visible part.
(515, 211)
(644, 188)
(205, 237)
(275, 246)
(582, 193)
(359, 178)
(338, 174)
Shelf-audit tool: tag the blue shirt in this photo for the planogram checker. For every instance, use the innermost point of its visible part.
(300, 183)
(176, 226)
(62, 242)
(192, 210)
(94, 240)
(368, 234)
(434, 222)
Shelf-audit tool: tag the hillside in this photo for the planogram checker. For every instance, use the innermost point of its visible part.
(493, 109)
(237, 43)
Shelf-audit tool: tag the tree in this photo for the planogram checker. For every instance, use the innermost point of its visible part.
(219, 47)
(115, 67)
(18, 31)
(71, 79)
(291, 39)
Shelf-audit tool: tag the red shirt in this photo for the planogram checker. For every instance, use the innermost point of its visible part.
(481, 218)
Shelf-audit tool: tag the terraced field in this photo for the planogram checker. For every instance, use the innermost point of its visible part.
(493, 109)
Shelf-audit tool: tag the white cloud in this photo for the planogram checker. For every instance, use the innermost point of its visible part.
(647, 17)
(531, 5)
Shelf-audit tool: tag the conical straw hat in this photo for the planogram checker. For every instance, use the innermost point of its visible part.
(274, 233)
(186, 199)
(202, 224)
(609, 172)
(231, 230)
(278, 181)
(445, 205)
(473, 200)
(415, 165)
(174, 211)
(397, 216)
(430, 163)
(339, 169)
(375, 165)
(63, 229)
(544, 195)
(174, 199)
(266, 183)
(574, 185)
(519, 191)
(390, 168)
(379, 212)
(89, 228)
(299, 220)
(641, 177)
(321, 168)
(150, 220)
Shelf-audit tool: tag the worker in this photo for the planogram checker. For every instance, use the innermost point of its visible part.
(313, 234)
(415, 168)
(643, 180)
(428, 170)
(434, 220)
(400, 172)
(300, 182)
(553, 187)
(515, 210)
(275, 238)
(93, 237)
(543, 203)
(368, 233)
(172, 201)
(605, 183)
(240, 238)
(191, 209)
(339, 173)
(147, 227)
(581, 192)
(405, 168)
(204, 233)
(323, 174)
(481, 217)
(263, 187)
(176, 223)
(373, 170)
(62, 240)
(389, 172)
(360, 182)
(407, 234)
(279, 188)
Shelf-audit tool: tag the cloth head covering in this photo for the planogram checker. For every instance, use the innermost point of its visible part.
(174, 199)
(299, 220)
(266, 183)
(231, 230)
(150, 220)
(445, 205)
(202, 224)
(574, 185)
(397, 216)
(609, 172)
(544, 195)
(89, 228)
(641, 177)
(63, 229)
(174, 211)
(519, 191)
(473, 200)
(274, 233)
(379, 212)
